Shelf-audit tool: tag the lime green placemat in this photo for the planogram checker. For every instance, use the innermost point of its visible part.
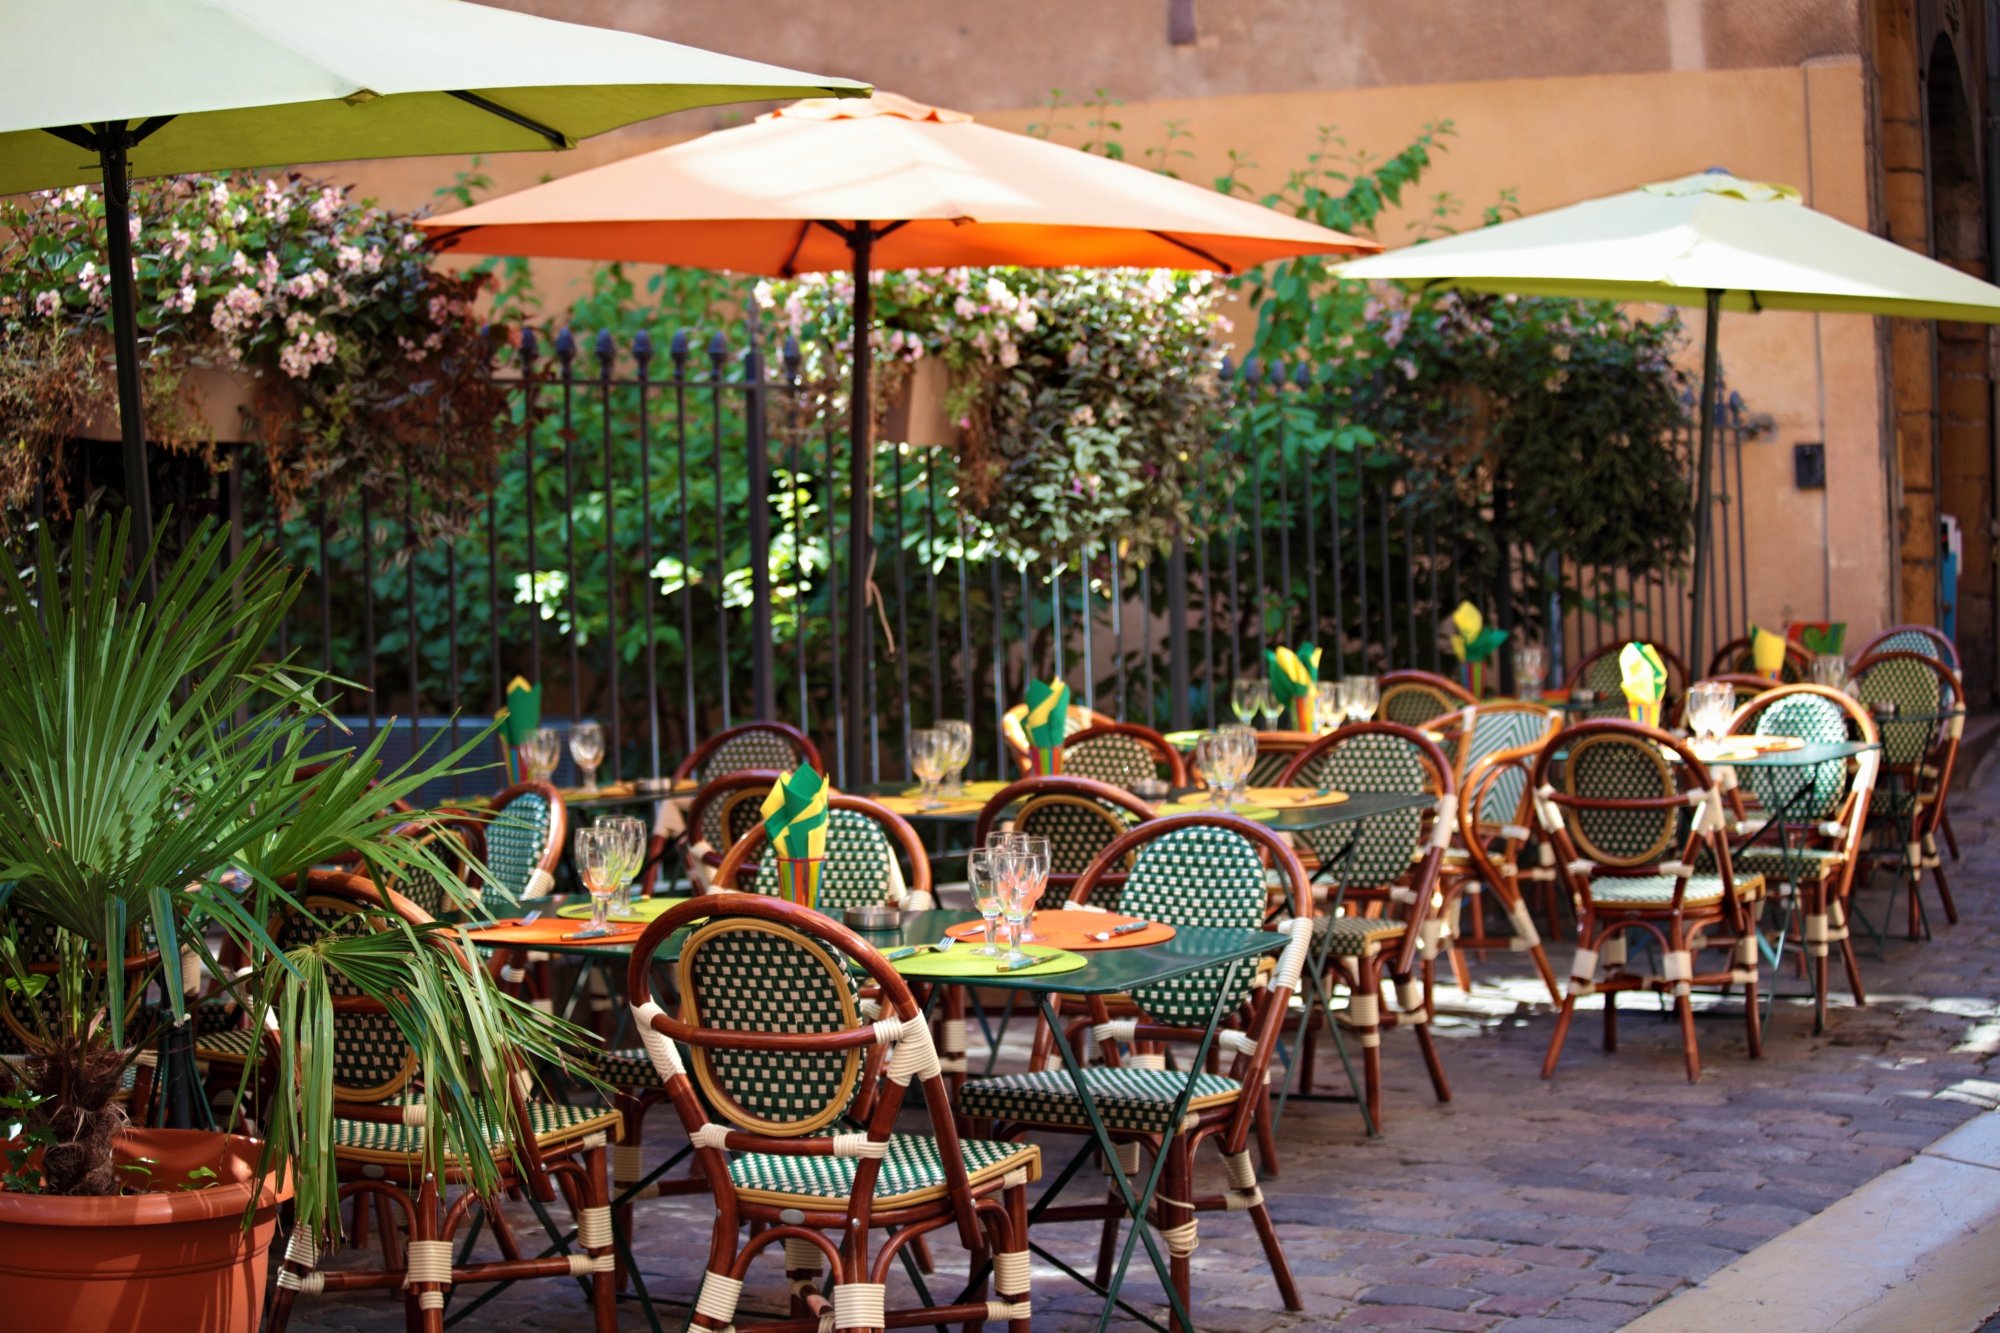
(962, 962)
(643, 909)
(1198, 805)
(974, 791)
(1184, 740)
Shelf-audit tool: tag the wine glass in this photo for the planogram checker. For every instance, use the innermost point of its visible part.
(1329, 706)
(628, 833)
(927, 749)
(1711, 703)
(586, 746)
(597, 863)
(1830, 670)
(1235, 753)
(984, 881)
(958, 753)
(1208, 765)
(1268, 704)
(1034, 852)
(1531, 668)
(1244, 698)
(1011, 868)
(1363, 694)
(540, 754)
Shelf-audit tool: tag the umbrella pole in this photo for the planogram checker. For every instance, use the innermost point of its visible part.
(1704, 465)
(860, 511)
(112, 144)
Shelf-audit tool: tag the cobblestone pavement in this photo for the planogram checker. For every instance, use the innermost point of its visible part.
(1523, 1206)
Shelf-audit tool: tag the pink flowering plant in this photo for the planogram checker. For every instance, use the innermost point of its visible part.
(1085, 401)
(355, 346)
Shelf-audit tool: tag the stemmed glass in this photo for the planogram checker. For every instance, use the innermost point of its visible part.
(1363, 694)
(1268, 705)
(1710, 705)
(1830, 670)
(1245, 697)
(1233, 752)
(541, 753)
(586, 746)
(628, 835)
(597, 863)
(983, 877)
(1013, 871)
(1329, 706)
(1531, 668)
(927, 749)
(958, 753)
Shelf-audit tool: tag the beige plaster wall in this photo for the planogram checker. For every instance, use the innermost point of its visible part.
(1553, 140)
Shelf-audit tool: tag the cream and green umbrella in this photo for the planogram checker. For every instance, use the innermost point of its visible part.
(107, 90)
(1710, 240)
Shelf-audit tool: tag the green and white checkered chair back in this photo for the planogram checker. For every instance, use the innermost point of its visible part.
(1621, 768)
(1270, 763)
(748, 976)
(1121, 761)
(1489, 733)
(860, 868)
(371, 1060)
(1197, 876)
(1607, 680)
(1916, 690)
(519, 842)
(38, 940)
(1077, 828)
(1806, 793)
(1916, 641)
(750, 750)
(1386, 844)
(1414, 704)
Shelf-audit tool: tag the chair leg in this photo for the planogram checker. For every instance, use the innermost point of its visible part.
(1460, 977)
(1017, 1221)
(1677, 948)
(1540, 957)
(1936, 866)
(1364, 1006)
(1177, 1221)
(595, 1229)
(1267, 1142)
(1274, 1255)
(1950, 838)
(1583, 972)
(1839, 914)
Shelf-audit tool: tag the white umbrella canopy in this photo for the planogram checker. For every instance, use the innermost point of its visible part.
(107, 90)
(1711, 240)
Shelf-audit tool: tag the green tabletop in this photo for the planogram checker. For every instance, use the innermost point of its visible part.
(1105, 971)
(1358, 805)
(1799, 758)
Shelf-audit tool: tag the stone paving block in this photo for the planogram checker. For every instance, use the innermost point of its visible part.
(1417, 1317)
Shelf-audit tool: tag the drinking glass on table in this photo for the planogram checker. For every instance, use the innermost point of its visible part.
(1268, 704)
(1363, 694)
(586, 746)
(628, 833)
(984, 881)
(1531, 668)
(596, 864)
(540, 754)
(958, 753)
(1329, 706)
(1012, 871)
(1245, 697)
(1208, 765)
(1830, 670)
(1710, 705)
(1236, 754)
(927, 763)
(1034, 852)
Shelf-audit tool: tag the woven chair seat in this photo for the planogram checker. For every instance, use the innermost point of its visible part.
(628, 1068)
(1811, 862)
(1658, 890)
(1129, 1099)
(1355, 936)
(913, 1172)
(1893, 804)
(552, 1123)
(231, 1046)
(217, 1013)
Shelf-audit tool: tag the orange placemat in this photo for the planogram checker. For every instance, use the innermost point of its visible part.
(1071, 930)
(550, 930)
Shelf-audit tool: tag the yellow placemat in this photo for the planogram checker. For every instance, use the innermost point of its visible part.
(1198, 804)
(1293, 798)
(642, 909)
(914, 805)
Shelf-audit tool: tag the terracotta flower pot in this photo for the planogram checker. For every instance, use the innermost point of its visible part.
(174, 1259)
(223, 397)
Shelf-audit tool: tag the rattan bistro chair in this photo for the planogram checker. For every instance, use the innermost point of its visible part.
(1824, 811)
(1640, 828)
(759, 745)
(762, 1058)
(1079, 816)
(1931, 643)
(1419, 698)
(722, 812)
(1600, 673)
(379, 1136)
(1497, 745)
(1382, 905)
(1919, 750)
(1188, 870)
(1123, 754)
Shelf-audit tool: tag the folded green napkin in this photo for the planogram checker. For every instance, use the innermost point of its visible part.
(1294, 678)
(1472, 642)
(1047, 723)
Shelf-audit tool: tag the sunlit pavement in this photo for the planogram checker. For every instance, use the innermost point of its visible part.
(1523, 1205)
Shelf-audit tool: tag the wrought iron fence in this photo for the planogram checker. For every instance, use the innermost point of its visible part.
(664, 550)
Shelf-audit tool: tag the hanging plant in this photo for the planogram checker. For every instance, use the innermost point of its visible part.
(356, 350)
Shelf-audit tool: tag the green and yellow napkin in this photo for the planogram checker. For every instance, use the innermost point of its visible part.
(1645, 682)
(1294, 676)
(795, 821)
(1047, 723)
(1767, 653)
(1473, 641)
(520, 719)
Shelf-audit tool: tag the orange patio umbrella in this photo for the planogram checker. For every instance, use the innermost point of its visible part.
(880, 183)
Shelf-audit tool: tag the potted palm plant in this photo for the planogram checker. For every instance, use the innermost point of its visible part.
(155, 797)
